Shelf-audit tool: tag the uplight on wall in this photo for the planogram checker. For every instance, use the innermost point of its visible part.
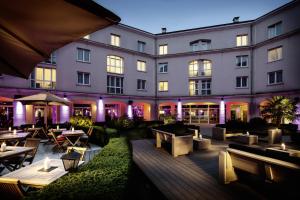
(179, 110)
(222, 112)
(100, 110)
(129, 110)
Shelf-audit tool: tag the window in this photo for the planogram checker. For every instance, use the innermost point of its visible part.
(274, 30)
(206, 68)
(83, 78)
(115, 40)
(163, 86)
(141, 46)
(193, 68)
(141, 66)
(275, 54)
(115, 85)
(275, 77)
(87, 37)
(205, 89)
(83, 55)
(242, 61)
(194, 88)
(201, 44)
(43, 78)
(141, 84)
(242, 81)
(163, 67)
(241, 40)
(115, 64)
(51, 59)
(163, 49)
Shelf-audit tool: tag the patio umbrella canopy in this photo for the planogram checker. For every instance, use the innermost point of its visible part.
(43, 99)
(30, 30)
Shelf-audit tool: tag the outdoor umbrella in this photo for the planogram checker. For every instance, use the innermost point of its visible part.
(44, 98)
(31, 29)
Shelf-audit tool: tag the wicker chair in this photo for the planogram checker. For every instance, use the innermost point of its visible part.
(10, 189)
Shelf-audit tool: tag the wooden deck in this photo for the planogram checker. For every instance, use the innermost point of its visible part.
(186, 177)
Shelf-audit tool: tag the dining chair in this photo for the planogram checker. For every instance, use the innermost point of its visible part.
(59, 140)
(80, 150)
(10, 188)
(85, 138)
(31, 142)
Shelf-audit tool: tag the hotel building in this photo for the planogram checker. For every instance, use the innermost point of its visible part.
(201, 75)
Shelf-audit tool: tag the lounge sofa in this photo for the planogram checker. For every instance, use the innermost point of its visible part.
(273, 166)
(219, 133)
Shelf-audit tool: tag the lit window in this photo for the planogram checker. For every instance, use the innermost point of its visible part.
(83, 55)
(193, 88)
(83, 78)
(274, 30)
(141, 84)
(242, 61)
(242, 81)
(163, 49)
(43, 78)
(115, 40)
(163, 86)
(87, 37)
(115, 85)
(141, 66)
(163, 67)
(206, 68)
(115, 64)
(193, 68)
(275, 54)
(141, 46)
(275, 77)
(242, 40)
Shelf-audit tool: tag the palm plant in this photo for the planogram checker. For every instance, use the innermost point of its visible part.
(278, 108)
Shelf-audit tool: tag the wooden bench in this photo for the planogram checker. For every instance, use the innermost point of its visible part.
(221, 134)
(181, 145)
(271, 169)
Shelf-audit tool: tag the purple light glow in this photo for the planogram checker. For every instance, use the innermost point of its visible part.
(179, 111)
(222, 112)
(297, 121)
(19, 113)
(100, 111)
(129, 112)
(64, 114)
(54, 114)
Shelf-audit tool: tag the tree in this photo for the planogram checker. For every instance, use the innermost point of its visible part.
(278, 108)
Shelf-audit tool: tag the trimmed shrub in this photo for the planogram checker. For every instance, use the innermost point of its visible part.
(79, 121)
(112, 133)
(99, 136)
(258, 123)
(104, 177)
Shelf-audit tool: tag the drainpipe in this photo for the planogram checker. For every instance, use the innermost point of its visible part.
(155, 79)
(252, 102)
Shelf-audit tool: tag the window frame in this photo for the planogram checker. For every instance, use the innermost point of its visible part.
(241, 82)
(277, 31)
(114, 86)
(241, 61)
(143, 44)
(141, 82)
(110, 59)
(139, 67)
(164, 49)
(273, 49)
(83, 78)
(275, 77)
(165, 86)
(113, 40)
(84, 55)
(206, 89)
(34, 80)
(165, 66)
(241, 40)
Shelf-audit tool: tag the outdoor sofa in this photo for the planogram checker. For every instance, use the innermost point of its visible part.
(219, 133)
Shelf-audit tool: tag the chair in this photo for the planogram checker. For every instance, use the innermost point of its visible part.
(85, 138)
(10, 189)
(80, 150)
(18, 161)
(59, 140)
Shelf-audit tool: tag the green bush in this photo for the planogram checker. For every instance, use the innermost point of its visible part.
(104, 177)
(79, 121)
(99, 136)
(121, 123)
(112, 133)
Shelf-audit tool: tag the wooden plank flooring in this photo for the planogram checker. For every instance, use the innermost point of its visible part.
(185, 177)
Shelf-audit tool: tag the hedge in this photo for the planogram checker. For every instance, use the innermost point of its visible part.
(104, 177)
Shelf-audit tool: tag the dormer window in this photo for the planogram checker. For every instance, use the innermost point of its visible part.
(201, 44)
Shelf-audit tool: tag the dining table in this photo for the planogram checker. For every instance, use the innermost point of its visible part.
(73, 136)
(9, 131)
(19, 136)
(36, 131)
(13, 151)
(35, 176)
